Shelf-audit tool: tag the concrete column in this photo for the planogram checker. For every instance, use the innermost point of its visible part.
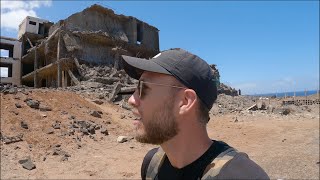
(35, 76)
(59, 64)
(62, 79)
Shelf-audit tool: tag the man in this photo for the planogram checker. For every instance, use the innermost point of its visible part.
(175, 92)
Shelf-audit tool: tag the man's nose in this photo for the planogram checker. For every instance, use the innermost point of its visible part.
(134, 99)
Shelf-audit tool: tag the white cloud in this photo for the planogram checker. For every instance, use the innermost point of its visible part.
(246, 86)
(285, 84)
(13, 12)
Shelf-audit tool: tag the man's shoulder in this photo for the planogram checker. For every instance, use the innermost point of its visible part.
(242, 167)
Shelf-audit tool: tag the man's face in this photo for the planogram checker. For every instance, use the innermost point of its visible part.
(155, 108)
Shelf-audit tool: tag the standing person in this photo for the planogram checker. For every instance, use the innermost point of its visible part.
(175, 92)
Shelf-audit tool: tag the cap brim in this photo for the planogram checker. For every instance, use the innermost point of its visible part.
(134, 67)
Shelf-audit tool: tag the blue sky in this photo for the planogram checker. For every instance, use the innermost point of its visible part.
(259, 47)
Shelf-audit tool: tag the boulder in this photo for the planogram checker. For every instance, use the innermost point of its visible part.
(33, 103)
(98, 101)
(45, 108)
(122, 139)
(27, 163)
(24, 125)
(104, 131)
(95, 114)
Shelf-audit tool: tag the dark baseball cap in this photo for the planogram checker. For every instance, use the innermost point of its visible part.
(189, 69)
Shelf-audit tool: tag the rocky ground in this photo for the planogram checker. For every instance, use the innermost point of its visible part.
(64, 134)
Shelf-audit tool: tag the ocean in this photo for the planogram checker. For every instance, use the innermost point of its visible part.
(283, 94)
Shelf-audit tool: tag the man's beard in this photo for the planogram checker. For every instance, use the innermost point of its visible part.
(161, 127)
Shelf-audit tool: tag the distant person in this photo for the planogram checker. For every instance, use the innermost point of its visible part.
(175, 92)
(239, 92)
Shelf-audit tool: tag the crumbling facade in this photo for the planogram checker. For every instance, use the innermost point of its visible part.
(95, 36)
(11, 65)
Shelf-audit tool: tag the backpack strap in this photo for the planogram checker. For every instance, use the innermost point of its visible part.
(155, 164)
(213, 169)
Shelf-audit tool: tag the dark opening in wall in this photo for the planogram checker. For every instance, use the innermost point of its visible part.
(46, 29)
(6, 70)
(41, 29)
(27, 68)
(139, 33)
(5, 48)
(32, 23)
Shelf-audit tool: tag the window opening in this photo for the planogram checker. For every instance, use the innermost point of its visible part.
(32, 23)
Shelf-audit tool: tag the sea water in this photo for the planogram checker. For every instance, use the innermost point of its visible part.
(283, 94)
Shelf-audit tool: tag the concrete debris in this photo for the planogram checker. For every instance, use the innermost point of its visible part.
(24, 125)
(27, 163)
(13, 139)
(58, 151)
(64, 112)
(253, 108)
(228, 104)
(122, 139)
(104, 131)
(18, 105)
(14, 112)
(56, 125)
(261, 105)
(97, 101)
(95, 114)
(85, 127)
(50, 131)
(115, 91)
(7, 89)
(282, 111)
(72, 117)
(45, 108)
(32, 103)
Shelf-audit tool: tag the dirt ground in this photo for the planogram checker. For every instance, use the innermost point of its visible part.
(287, 147)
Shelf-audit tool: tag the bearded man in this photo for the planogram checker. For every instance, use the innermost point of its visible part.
(175, 93)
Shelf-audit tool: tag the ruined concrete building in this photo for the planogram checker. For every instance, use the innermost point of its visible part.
(10, 63)
(53, 53)
(83, 50)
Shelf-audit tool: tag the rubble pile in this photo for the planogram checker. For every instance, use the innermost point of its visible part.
(228, 104)
(224, 89)
(104, 82)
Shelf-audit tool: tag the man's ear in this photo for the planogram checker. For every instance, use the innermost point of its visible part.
(188, 101)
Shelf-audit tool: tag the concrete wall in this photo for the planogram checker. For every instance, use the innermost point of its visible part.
(95, 53)
(27, 26)
(15, 43)
(15, 61)
(90, 20)
(16, 71)
(150, 37)
(97, 18)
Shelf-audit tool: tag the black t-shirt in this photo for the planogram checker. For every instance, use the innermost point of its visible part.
(239, 167)
(192, 171)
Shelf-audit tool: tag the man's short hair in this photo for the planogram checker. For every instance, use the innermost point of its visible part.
(203, 113)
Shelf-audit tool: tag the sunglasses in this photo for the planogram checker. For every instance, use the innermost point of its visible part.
(141, 86)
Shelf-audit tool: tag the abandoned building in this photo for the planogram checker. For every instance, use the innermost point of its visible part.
(85, 47)
(10, 63)
(53, 52)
